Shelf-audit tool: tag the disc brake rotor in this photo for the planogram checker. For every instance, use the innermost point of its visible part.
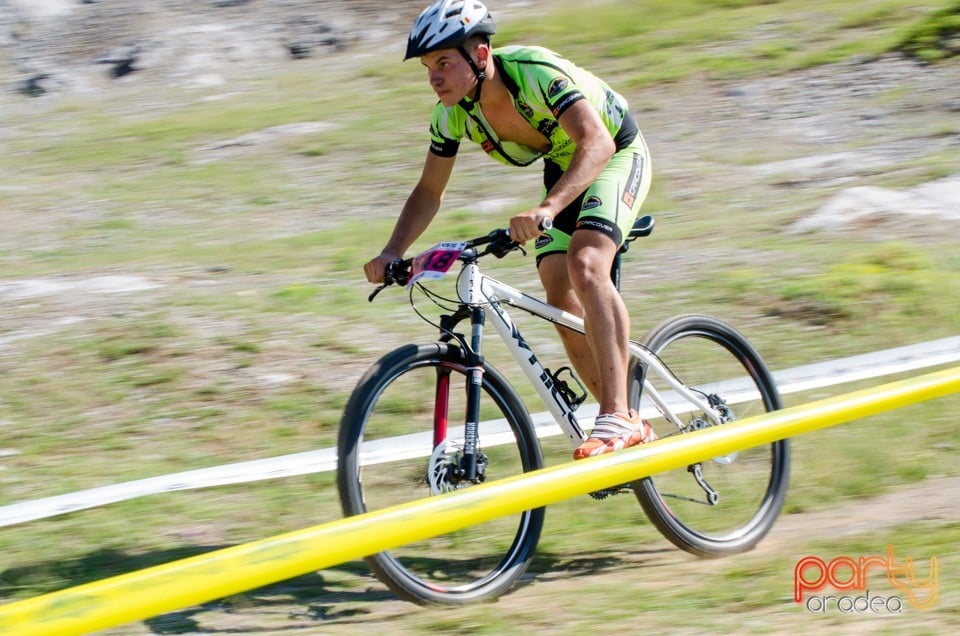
(442, 471)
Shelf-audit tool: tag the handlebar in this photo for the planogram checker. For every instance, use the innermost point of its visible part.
(497, 243)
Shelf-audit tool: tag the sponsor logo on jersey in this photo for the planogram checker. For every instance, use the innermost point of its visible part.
(595, 224)
(546, 127)
(543, 240)
(557, 86)
(561, 147)
(633, 182)
(565, 103)
(591, 203)
(524, 108)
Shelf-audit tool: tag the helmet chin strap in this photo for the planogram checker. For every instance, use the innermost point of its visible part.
(481, 74)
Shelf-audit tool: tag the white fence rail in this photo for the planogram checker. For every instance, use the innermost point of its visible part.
(868, 366)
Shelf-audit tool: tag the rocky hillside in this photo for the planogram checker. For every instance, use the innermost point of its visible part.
(68, 45)
(859, 118)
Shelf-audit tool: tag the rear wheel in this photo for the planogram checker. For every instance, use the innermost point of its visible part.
(724, 505)
(394, 447)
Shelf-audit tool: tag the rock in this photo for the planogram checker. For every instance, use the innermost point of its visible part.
(221, 149)
(812, 168)
(36, 85)
(936, 198)
(122, 61)
(34, 9)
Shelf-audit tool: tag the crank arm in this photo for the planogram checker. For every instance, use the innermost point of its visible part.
(712, 495)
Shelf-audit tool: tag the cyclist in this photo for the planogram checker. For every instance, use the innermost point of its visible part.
(522, 104)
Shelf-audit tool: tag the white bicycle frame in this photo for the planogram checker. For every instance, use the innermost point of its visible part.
(476, 289)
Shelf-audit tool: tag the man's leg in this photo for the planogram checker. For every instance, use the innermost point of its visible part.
(610, 206)
(560, 293)
(606, 319)
(602, 366)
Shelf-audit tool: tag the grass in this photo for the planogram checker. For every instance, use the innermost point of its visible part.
(934, 37)
(259, 326)
(727, 39)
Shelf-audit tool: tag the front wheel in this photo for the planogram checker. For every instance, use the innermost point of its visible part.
(395, 446)
(724, 505)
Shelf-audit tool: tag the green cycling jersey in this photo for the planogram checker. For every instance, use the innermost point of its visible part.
(543, 85)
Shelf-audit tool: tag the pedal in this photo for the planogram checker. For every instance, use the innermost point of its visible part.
(600, 495)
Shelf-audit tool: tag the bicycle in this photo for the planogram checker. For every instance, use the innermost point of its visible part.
(397, 439)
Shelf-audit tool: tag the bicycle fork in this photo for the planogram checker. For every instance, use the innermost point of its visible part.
(469, 465)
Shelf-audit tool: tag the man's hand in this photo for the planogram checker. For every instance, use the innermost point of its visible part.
(377, 267)
(527, 225)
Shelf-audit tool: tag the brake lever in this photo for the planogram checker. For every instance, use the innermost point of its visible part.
(546, 223)
(376, 291)
(500, 250)
(395, 274)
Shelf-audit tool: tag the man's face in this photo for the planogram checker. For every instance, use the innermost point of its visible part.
(449, 74)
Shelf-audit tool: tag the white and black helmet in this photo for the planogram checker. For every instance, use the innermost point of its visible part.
(447, 24)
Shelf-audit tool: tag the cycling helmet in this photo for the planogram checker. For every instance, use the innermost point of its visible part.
(447, 24)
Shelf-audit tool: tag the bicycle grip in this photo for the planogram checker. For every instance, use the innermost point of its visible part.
(545, 224)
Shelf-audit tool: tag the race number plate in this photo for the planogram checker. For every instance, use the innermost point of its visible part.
(434, 263)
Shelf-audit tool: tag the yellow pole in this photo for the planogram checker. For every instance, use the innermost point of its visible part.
(164, 588)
